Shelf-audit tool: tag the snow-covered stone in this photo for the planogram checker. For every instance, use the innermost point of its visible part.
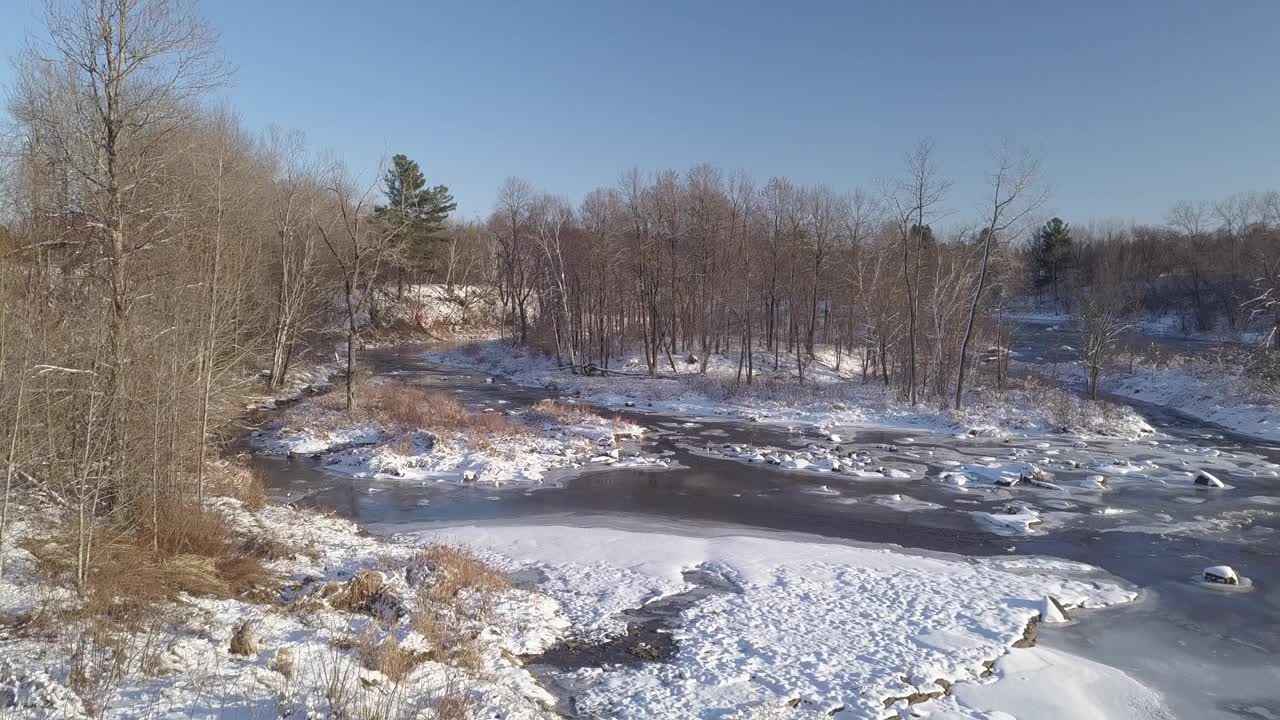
(1051, 611)
(1222, 574)
(1207, 479)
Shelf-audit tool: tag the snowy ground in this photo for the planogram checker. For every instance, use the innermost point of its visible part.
(527, 448)
(306, 657)
(1203, 391)
(851, 631)
(829, 399)
(870, 632)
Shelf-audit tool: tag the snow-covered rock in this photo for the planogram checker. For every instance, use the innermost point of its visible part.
(1207, 479)
(1051, 611)
(1222, 574)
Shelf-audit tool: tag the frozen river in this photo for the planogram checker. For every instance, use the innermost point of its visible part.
(1212, 653)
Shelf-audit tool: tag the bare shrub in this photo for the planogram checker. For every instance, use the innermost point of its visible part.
(337, 677)
(104, 650)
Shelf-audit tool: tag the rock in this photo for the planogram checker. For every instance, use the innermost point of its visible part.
(1096, 481)
(834, 438)
(1221, 574)
(1033, 474)
(488, 381)
(1208, 480)
(629, 403)
(469, 476)
(1051, 611)
(1008, 480)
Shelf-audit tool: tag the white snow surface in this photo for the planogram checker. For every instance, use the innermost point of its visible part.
(1042, 683)
(829, 399)
(372, 449)
(833, 626)
(1203, 391)
(192, 674)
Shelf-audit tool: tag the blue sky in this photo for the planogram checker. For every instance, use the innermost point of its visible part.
(1131, 105)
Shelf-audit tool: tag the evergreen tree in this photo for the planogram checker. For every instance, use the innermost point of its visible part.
(419, 212)
(1052, 253)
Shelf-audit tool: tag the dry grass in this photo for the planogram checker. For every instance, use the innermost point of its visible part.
(455, 701)
(244, 641)
(406, 407)
(455, 570)
(238, 479)
(365, 593)
(413, 407)
(385, 654)
(150, 559)
(564, 413)
(455, 601)
(453, 639)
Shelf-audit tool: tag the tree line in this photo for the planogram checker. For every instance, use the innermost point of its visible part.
(686, 265)
(1208, 267)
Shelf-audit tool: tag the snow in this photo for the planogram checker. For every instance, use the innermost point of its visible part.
(1205, 391)
(829, 400)
(530, 453)
(1221, 573)
(1042, 683)
(830, 625)
(191, 673)
(1017, 521)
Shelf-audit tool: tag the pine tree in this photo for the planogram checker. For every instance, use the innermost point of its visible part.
(1052, 253)
(417, 211)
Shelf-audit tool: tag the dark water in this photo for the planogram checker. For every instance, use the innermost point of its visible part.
(1046, 342)
(1212, 652)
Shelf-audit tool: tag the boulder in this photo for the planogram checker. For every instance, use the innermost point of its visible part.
(1221, 574)
(1208, 480)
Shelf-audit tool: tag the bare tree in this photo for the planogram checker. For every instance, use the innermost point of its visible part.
(1014, 196)
(357, 246)
(914, 200)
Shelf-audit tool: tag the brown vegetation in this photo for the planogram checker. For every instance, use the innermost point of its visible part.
(559, 411)
(381, 650)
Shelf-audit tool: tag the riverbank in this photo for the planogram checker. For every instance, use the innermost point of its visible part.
(408, 432)
(832, 397)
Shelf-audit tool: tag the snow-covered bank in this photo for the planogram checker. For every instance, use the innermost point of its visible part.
(413, 435)
(338, 633)
(1204, 391)
(833, 628)
(827, 399)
